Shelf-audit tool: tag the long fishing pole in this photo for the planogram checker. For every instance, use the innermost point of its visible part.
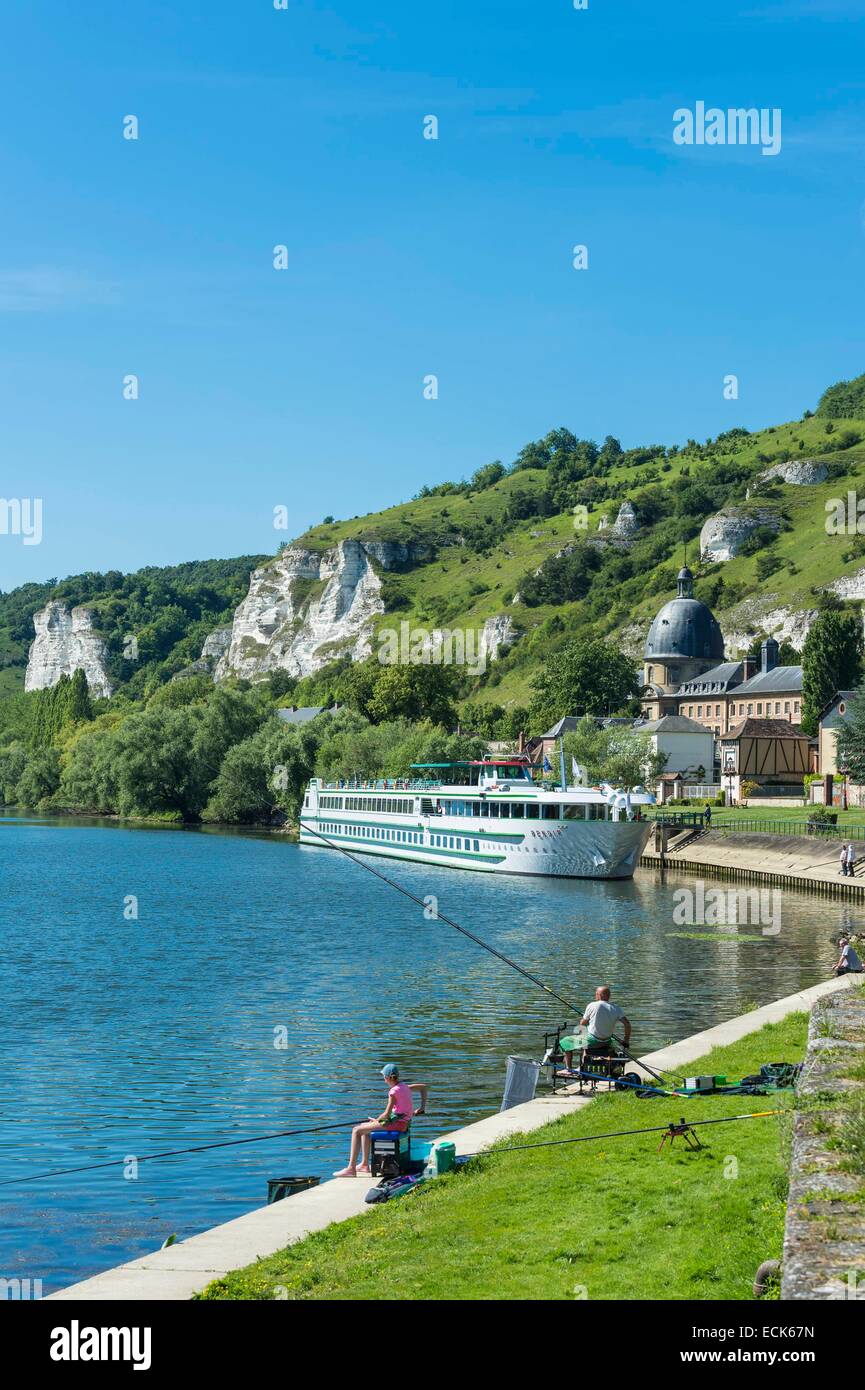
(440, 917)
(622, 1133)
(173, 1153)
(658, 1075)
(622, 1083)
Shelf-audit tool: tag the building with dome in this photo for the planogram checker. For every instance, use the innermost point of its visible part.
(684, 641)
(685, 673)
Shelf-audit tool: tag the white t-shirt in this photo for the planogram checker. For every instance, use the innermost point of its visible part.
(601, 1018)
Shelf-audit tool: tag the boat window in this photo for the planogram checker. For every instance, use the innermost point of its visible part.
(551, 813)
(493, 809)
(477, 846)
(532, 810)
(518, 810)
(504, 810)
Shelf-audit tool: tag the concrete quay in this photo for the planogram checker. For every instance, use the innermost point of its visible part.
(781, 861)
(188, 1267)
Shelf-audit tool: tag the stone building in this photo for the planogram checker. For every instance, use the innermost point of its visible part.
(684, 671)
(684, 641)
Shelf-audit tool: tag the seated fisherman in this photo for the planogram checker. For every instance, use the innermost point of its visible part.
(600, 1019)
(397, 1115)
(848, 962)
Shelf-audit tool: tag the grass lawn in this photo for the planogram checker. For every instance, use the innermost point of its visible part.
(607, 1219)
(722, 816)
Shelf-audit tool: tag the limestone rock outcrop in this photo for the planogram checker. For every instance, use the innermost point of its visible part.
(498, 634)
(798, 472)
(214, 647)
(66, 641)
(215, 643)
(742, 623)
(850, 586)
(724, 534)
(626, 523)
(305, 608)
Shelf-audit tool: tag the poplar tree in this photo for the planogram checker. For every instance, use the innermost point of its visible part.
(831, 661)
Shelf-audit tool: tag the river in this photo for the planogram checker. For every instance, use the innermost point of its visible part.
(262, 985)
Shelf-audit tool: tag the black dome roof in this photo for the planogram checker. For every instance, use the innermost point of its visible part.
(685, 627)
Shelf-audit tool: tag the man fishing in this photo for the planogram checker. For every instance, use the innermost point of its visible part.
(848, 962)
(600, 1019)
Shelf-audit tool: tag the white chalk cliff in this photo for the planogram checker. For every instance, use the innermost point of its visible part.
(307, 607)
(65, 642)
(724, 534)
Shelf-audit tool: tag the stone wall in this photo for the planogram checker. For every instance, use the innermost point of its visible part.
(824, 1239)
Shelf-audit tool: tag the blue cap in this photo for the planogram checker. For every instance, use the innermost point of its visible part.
(390, 1071)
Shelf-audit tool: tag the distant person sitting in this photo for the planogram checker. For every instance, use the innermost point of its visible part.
(600, 1019)
(848, 962)
(397, 1115)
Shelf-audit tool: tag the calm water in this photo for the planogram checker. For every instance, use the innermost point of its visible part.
(124, 1037)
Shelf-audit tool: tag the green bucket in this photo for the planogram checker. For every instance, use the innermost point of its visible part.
(444, 1158)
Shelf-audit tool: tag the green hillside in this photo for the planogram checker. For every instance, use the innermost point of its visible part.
(168, 610)
(486, 547)
(487, 537)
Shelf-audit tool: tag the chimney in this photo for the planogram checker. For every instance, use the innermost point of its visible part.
(521, 742)
(768, 655)
(748, 667)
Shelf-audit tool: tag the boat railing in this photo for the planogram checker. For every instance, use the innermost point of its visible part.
(405, 784)
(380, 784)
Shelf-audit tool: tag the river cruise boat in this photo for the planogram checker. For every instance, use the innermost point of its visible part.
(487, 815)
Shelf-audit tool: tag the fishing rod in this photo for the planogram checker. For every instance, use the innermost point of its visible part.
(440, 916)
(622, 1133)
(173, 1153)
(621, 1083)
(658, 1075)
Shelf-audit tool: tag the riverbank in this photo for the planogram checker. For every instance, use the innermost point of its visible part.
(782, 861)
(559, 1196)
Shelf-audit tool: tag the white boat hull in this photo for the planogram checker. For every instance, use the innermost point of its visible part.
(555, 849)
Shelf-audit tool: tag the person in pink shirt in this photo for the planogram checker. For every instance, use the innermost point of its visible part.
(397, 1115)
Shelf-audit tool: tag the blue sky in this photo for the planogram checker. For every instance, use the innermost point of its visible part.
(303, 126)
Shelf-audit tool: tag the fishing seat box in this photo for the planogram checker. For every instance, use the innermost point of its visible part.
(390, 1152)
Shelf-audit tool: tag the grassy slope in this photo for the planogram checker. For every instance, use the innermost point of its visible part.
(441, 590)
(460, 587)
(616, 1217)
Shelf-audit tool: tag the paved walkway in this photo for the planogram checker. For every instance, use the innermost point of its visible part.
(791, 861)
(184, 1269)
